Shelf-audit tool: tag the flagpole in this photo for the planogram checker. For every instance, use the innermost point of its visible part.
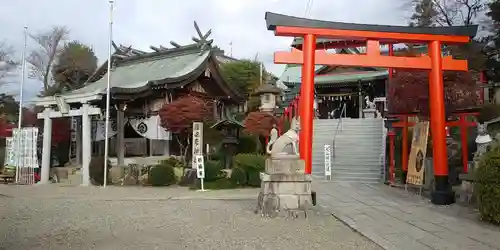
(108, 94)
(21, 96)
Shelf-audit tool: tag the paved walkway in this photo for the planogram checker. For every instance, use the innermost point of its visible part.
(395, 219)
(58, 217)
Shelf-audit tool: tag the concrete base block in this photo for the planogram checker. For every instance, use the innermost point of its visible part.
(272, 205)
(285, 165)
(285, 189)
(370, 113)
(75, 178)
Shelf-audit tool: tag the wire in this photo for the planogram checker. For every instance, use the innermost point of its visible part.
(309, 5)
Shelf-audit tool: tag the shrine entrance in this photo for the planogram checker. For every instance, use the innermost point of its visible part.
(372, 36)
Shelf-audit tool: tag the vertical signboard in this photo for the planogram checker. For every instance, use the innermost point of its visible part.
(197, 140)
(417, 155)
(328, 161)
(200, 170)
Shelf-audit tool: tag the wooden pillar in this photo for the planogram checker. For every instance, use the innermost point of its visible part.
(120, 130)
(464, 139)
(86, 144)
(391, 135)
(405, 152)
(47, 146)
(391, 53)
(306, 103)
(360, 101)
(442, 195)
(482, 79)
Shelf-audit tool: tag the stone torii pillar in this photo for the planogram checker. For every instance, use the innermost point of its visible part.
(86, 144)
(85, 111)
(47, 145)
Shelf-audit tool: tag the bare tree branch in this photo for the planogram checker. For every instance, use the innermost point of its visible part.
(459, 12)
(42, 59)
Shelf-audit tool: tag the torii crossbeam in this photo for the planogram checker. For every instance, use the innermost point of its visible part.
(372, 36)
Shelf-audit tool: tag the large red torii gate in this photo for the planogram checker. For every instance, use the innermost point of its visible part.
(372, 36)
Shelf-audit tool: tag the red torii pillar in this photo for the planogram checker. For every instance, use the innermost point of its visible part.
(283, 25)
(404, 123)
(463, 124)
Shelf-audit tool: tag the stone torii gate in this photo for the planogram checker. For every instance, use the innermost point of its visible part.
(64, 110)
(372, 36)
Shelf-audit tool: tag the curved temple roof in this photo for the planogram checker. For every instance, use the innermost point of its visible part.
(273, 20)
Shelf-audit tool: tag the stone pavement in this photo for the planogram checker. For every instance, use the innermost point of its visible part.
(57, 217)
(396, 219)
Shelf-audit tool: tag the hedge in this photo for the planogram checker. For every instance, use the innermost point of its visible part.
(487, 185)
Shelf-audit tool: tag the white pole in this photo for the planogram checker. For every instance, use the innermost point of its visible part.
(21, 96)
(106, 142)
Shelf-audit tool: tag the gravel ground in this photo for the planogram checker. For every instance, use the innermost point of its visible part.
(95, 218)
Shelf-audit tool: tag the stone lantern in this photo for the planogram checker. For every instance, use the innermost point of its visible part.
(269, 94)
(230, 127)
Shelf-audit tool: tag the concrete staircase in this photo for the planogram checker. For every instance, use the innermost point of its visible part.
(357, 150)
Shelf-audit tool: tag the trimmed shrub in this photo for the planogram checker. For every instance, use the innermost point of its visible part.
(213, 170)
(173, 162)
(162, 175)
(252, 165)
(246, 144)
(487, 185)
(238, 176)
(250, 161)
(96, 170)
(253, 178)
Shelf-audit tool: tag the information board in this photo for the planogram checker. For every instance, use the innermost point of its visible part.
(417, 154)
(328, 161)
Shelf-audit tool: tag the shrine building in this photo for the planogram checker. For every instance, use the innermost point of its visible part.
(141, 82)
(336, 86)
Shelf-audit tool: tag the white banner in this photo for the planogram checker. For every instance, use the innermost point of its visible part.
(150, 128)
(99, 130)
(9, 152)
(21, 148)
(197, 139)
(328, 160)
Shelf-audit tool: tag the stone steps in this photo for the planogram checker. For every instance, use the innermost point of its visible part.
(358, 149)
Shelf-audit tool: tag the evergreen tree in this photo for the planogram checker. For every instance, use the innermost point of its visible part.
(492, 50)
(74, 65)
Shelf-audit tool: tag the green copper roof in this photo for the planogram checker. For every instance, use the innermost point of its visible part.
(227, 122)
(292, 75)
(136, 75)
(351, 77)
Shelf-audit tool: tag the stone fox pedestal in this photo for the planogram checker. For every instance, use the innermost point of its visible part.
(285, 189)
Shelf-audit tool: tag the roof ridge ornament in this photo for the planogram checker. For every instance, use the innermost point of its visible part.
(202, 41)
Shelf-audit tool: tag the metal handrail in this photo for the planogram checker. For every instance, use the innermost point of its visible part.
(342, 113)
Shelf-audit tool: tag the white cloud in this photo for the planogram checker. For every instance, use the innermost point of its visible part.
(142, 23)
